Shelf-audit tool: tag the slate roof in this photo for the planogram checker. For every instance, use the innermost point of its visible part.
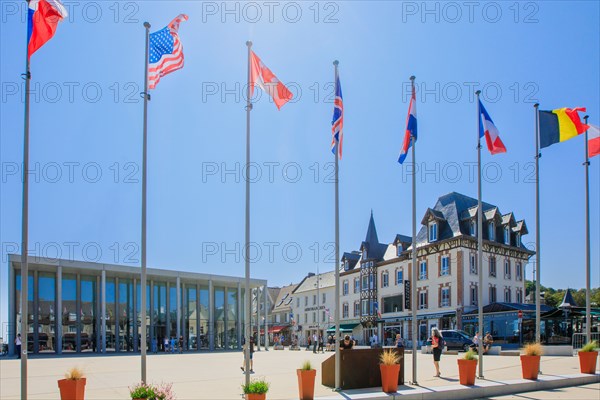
(455, 209)
(402, 239)
(352, 258)
(568, 300)
(375, 250)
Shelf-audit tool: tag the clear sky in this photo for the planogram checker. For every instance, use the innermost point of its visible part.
(86, 129)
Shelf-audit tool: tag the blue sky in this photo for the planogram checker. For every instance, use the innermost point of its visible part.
(86, 129)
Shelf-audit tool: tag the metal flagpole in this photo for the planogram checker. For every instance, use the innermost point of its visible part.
(588, 310)
(537, 225)
(247, 229)
(413, 286)
(143, 333)
(338, 356)
(24, 233)
(479, 243)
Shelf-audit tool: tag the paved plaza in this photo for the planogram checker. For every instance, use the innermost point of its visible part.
(218, 375)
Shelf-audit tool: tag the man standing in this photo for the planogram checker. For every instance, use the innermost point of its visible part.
(315, 339)
(18, 344)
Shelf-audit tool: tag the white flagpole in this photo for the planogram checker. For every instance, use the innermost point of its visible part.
(537, 225)
(247, 230)
(143, 332)
(413, 286)
(338, 378)
(479, 244)
(24, 233)
(588, 310)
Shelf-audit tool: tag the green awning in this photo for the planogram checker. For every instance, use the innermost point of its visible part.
(343, 328)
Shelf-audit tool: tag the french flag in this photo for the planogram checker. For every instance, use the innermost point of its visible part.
(411, 126)
(593, 141)
(489, 130)
(42, 19)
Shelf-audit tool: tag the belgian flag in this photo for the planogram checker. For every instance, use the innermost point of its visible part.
(560, 125)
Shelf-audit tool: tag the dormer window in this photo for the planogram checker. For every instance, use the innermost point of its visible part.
(346, 265)
(492, 230)
(517, 239)
(432, 228)
(364, 254)
(507, 235)
(399, 249)
(472, 228)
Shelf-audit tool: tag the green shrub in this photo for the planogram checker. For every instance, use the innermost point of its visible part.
(591, 346)
(258, 386)
(306, 366)
(470, 355)
(142, 391)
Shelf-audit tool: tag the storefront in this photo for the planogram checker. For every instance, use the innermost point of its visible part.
(502, 321)
(402, 325)
(67, 299)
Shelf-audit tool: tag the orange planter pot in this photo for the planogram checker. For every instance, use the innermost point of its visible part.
(587, 361)
(72, 389)
(256, 396)
(466, 371)
(530, 366)
(306, 383)
(389, 377)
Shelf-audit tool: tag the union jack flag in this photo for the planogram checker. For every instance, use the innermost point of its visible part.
(337, 124)
(166, 51)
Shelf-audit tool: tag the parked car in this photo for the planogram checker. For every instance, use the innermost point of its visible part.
(457, 340)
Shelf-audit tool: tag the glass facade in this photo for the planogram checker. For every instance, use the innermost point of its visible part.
(65, 311)
(219, 318)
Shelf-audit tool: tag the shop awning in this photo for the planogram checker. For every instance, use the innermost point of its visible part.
(274, 329)
(343, 328)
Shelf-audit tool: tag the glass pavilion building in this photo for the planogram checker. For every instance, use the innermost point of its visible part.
(67, 299)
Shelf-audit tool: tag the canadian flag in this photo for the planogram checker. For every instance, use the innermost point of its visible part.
(263, 77)
(42, 18)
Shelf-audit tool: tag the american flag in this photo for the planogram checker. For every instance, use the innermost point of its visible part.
(338, 118)
(166, 51)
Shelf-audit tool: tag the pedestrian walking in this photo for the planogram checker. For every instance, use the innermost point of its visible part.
(18, 344)
(166, 344)
(173, 344)
(180, 344)
(437, 344)
(251, 354)
(315, 339)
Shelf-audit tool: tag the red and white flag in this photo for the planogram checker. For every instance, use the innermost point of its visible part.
(593, 140)
(43, 17)
(263, 77)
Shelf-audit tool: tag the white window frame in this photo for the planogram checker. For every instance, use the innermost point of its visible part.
(445, 269)
(399, 250)
(474, 295)
(473, 264)
(493, 271)
(507, 235)
(364, 307)
(473, 228)
(507, 272)
(364, 254)
(445, 302)
(356, 285)
(385, 279)
(422, 276)
(345, 288)
(423, 300)
(519, 271)
(345, 310)
(494, 298)
(492, 231)
(371, 281)
(432, 231)
(399, 274)
(364, 284)
(517, 239)
(356, 308)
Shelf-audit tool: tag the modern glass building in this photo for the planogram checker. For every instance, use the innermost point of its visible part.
(84, 307)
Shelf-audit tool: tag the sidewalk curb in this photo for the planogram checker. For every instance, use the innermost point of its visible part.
(483, 389)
